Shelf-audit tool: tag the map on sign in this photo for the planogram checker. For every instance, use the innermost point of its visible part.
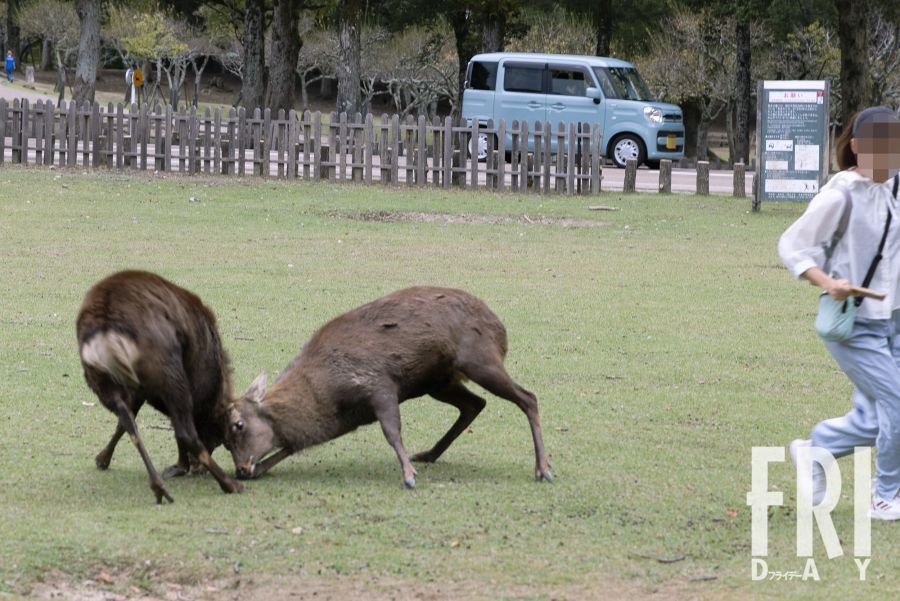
(792, 130)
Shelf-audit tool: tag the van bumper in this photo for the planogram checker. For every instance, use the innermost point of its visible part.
(669, 145)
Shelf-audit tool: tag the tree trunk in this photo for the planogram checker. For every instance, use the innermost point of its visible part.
(46, 55)
(465, 46)
(348, 68)
(88, 50)
(60, 78)
(253, 86)
(603, 26)
(742, 92)
(855, 80)
(703, 133)
(13, 37)
(493, 34)
(285, 50)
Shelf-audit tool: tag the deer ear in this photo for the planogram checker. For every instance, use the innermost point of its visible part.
(257, 390)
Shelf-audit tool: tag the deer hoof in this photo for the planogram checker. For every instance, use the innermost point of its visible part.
(409, 483)
(544, 475)
(174, 471)
(102, 461)
(233, 487)
(424, 457)
(161, 493)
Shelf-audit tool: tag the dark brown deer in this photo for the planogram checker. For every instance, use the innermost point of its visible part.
(359, 367)
(143, 339)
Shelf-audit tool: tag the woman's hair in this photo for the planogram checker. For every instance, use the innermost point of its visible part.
(845, 156)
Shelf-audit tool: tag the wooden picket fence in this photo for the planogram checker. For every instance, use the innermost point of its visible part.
(311, 146)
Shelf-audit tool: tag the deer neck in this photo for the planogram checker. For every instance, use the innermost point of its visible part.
(291, 408)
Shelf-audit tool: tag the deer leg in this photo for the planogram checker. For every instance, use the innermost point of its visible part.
(469, 405)
(187, 437)
(182, 467)
(387, 410)
(105, 456)
(126, 422)
(269, 462)
(493, 377)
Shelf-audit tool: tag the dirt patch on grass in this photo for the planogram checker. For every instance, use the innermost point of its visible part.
(154, 587)
(467, 218)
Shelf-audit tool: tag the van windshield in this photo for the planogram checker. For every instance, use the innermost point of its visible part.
(622, 82)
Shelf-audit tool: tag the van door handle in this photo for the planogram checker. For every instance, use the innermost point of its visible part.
(558, 106)
(534, 105)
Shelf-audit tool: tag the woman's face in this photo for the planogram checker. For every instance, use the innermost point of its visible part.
(878, 150)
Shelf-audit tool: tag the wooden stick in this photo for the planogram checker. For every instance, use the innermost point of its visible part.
(866, 292)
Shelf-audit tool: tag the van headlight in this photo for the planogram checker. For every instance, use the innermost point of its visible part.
(653, 114)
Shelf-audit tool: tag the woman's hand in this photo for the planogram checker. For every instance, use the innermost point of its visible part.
(839, 290)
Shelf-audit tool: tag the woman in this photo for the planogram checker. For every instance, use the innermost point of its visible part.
(870, 357)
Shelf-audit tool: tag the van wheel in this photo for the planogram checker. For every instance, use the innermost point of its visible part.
(482, 151)
(627, 146)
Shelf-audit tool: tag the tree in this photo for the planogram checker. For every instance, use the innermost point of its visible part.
(88, 50)
(348, 67)
(742, 84)
(285, 50)
(856, 83)
(13, 40)
(253, 84)
(56, 21)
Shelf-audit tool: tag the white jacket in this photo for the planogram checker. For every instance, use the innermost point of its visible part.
(803, 244)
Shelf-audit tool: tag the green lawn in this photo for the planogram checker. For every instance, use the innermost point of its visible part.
(663, 340)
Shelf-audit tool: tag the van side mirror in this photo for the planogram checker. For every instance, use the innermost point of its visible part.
(595, 94)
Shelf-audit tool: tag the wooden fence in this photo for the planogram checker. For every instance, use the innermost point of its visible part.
(310, 146)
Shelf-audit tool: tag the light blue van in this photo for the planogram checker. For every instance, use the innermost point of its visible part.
(580, 89)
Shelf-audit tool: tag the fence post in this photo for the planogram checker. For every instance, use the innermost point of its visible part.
(4, 112)
(703, 177)
(316, 146)
(369, 147)
(596, 169)
(630, 175)
(739, 180)
(473, 151)
(395, 150)
(95, 135)
(570, 164)
(340, 148)
(448, 151)
(500, 163)
(421, 159)
(49, 134)
(665, 176)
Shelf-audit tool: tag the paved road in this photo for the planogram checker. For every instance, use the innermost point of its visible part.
(17, 90)
(683, 180)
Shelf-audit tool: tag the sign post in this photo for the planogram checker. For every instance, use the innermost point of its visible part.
(792, 142)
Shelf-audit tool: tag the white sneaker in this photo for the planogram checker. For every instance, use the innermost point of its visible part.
(885, 510)
(816, 488)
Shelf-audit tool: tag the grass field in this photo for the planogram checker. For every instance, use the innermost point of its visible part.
(663, 341)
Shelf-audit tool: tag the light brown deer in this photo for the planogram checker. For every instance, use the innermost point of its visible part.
(360, 366)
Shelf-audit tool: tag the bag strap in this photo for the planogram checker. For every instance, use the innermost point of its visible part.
(874, 265)
(842, 225)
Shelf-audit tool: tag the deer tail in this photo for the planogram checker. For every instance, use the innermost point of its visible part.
(112, 353)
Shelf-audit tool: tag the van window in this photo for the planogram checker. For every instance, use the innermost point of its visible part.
(523, 78)
(569, 81)
(482, 75)
(624, 83)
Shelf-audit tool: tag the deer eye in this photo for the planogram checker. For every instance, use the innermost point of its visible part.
(239, 425)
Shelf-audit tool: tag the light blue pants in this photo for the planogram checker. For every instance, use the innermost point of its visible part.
(871, 359)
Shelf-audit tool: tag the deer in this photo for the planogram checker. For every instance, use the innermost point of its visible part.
(359, 367)
(142, 338)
